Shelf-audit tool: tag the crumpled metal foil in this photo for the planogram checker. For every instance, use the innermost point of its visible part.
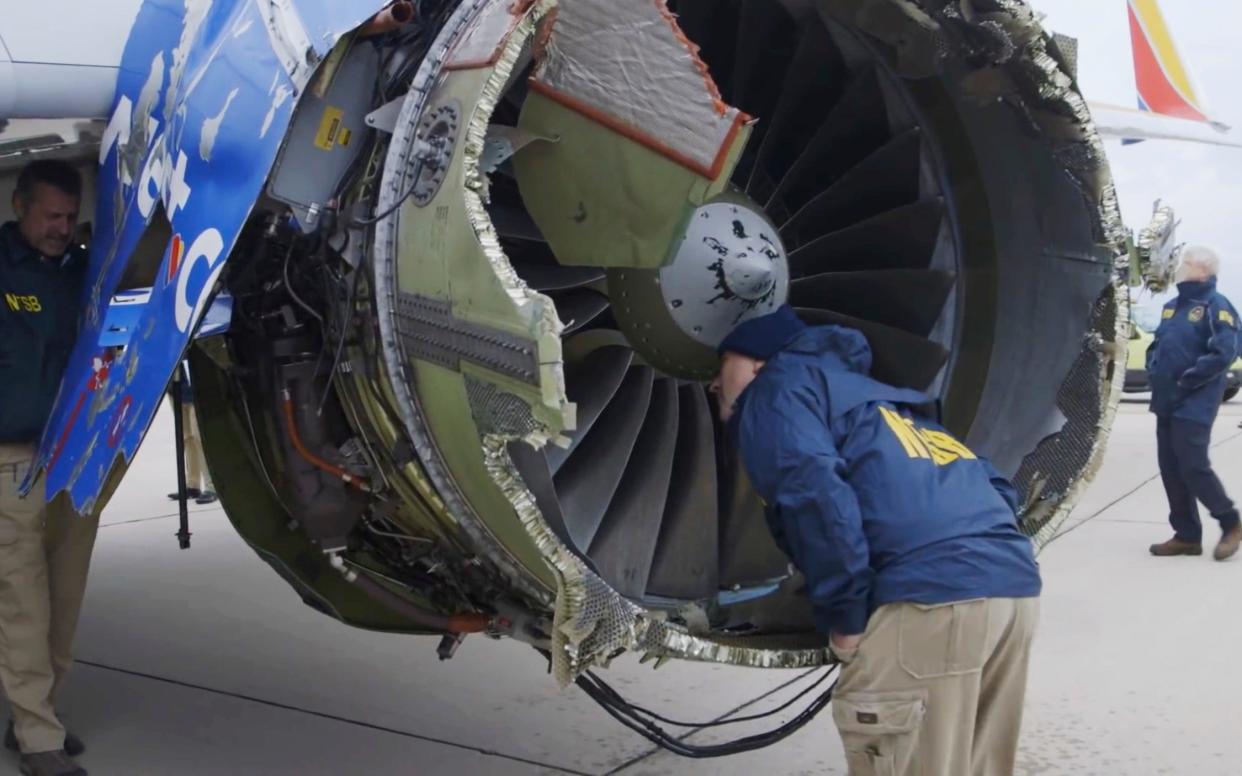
(1157, 252)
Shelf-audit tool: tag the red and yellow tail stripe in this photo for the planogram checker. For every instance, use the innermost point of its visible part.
(1164, 83)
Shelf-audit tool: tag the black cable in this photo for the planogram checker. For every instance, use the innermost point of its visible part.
(732, 720)
(345, 325)
(418, 170)
(656, 735)
(294, 294)
(630, 716)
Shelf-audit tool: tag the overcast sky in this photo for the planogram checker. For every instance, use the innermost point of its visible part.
(1202, 183)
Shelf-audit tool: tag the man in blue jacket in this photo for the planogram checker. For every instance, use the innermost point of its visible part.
(45, 548)
(908, 541)
(1188, 364)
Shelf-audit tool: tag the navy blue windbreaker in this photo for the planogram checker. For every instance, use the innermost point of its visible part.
(39, 313)
(1188, 361)
(873, 501)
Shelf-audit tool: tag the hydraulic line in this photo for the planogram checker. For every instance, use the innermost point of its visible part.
(311, 458)
(398, 14)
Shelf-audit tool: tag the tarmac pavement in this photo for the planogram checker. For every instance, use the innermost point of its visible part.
(205, 662)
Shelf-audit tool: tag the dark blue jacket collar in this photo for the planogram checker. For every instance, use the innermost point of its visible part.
(13, 246)
(15, 251)
(1196, 289)
(840, 349)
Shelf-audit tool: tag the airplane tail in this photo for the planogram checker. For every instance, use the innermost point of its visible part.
(1171, 106)
(1165, 84)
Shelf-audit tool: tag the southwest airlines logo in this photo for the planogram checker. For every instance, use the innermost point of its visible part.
(164, 179)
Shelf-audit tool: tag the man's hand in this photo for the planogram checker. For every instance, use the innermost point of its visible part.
(845, 642)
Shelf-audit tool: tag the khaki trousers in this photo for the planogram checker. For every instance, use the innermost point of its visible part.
(45, 554)
(937, 690)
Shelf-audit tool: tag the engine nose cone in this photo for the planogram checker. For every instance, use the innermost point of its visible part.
(730, 266)
(748, 276)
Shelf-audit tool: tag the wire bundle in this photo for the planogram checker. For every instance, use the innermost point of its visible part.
(644, 722)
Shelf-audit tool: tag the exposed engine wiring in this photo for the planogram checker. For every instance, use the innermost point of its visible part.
(391, 535)
(360, 576)
(418, 170)
(345, 322)
(823, 677)
(641, 721)
(254, 440)
(296, 439)
(294, 294)
(377, 574)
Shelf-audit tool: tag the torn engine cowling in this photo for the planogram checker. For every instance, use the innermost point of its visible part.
(477, 309)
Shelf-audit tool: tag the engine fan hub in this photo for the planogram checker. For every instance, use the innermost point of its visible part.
(730, 266)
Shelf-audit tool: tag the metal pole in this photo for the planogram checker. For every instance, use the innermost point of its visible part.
(183, 498)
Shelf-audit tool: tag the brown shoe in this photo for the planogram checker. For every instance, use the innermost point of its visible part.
(1228, 546)
(1176, 546)
(50, 764)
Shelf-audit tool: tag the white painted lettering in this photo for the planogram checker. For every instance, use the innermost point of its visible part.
(117, 130)
(176, 191)
(207, 248)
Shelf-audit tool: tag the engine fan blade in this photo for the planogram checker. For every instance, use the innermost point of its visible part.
(810, 88)
(687, 558)
(624, 547)
(513, 222)
(577, 307)
(904, 238)
(588, 481)
(748, 553)
(856, 127)
(886, 179)
(542, 277)
(908, 299)
(532, 464)
(766, 44)
(591, 384)
(898, 357)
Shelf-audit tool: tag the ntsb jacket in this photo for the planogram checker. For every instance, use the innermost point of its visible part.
(1188, 361)
(40, 303)
(873, 501)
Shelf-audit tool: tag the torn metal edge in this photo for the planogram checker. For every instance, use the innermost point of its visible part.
(399, 167)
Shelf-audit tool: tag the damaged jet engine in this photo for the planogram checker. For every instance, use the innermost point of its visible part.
(476, 303)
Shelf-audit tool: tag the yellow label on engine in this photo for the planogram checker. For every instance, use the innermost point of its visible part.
(329, 128)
